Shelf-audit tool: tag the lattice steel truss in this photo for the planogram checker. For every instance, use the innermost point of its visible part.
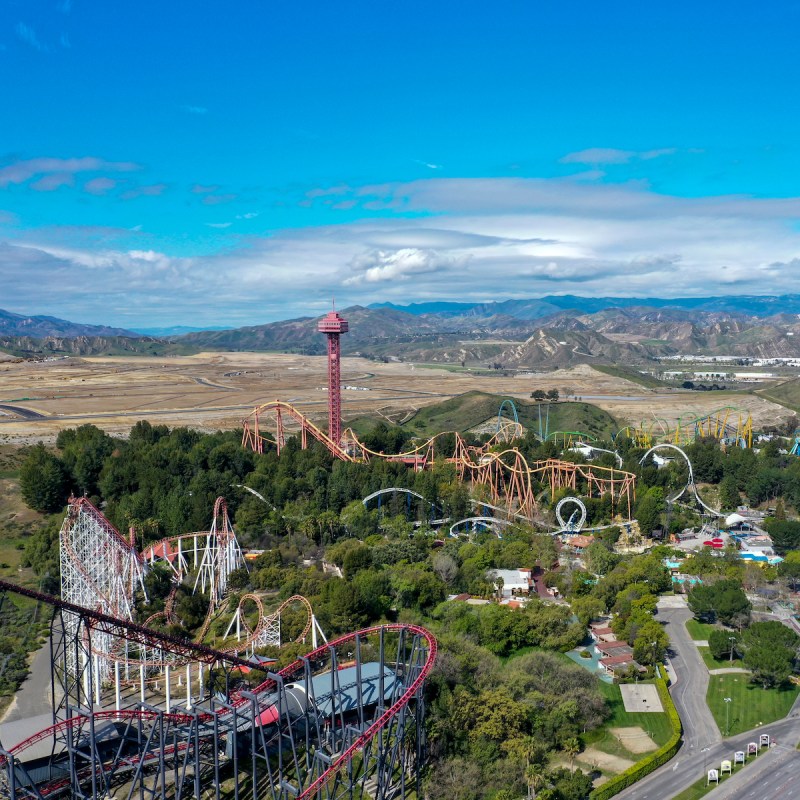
(100, 570)
(344, 722)
(221, 555)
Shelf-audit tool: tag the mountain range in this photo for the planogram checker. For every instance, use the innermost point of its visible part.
(536, 333)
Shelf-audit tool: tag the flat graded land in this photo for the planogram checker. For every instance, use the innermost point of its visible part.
(212, 391)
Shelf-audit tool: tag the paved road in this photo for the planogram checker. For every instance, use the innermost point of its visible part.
(691, 686)
(24, 413)
(32, 699)
(703, 745)
(774, 776)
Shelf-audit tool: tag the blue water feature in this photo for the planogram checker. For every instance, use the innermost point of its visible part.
(691, 579)
(591, 664)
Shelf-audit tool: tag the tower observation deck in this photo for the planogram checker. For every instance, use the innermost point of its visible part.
(333, 326)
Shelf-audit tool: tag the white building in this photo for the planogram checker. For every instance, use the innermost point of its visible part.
(515, 581)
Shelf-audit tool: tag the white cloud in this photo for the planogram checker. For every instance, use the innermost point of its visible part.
(151, 190)
(610, 155)
(470, 239)
(22, 171)
(379, 265)
(427, 164)
(99, 186)
(53, 181)
(25, 33)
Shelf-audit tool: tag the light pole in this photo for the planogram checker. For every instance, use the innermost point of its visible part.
(731, 640)
(727, 715)
(653, 645)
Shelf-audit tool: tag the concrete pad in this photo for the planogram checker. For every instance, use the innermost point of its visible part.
(639, 697)
(672, 601)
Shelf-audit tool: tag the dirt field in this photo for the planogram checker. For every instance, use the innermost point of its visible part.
(634, 739)
(594, 758)
(212, 391)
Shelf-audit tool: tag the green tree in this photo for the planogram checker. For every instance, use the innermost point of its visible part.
(600, 559)
(790, 568)
(536, 778)
(43, 480)
(769, 667)
(729, 493)
(649, 510)
(722, 642)
(84, 451)
(650, 644)
(356, 559)
(785, 534)
(587, 609)
(769, 650)
(724, 600)
(572, 747)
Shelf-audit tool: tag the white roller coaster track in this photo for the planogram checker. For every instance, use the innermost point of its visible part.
(690, 484)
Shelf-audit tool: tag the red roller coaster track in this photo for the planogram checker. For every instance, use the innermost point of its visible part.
(295, 670)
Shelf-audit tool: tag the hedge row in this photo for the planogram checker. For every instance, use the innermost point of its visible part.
(652, 762)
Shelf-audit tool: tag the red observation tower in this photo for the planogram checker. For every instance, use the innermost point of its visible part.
(332, 326)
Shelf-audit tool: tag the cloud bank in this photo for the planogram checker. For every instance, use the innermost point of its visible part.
(458, 239)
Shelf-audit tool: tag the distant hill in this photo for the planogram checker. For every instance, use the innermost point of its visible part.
(52, 346)
(368, 328)
(750, 305)
(175, 330)
(545, 333)
(12, 324)
(472, 336)
(467, 411)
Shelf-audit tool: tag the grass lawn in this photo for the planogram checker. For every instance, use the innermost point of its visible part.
(717, 663)
(655, 724)
(699, 631)
(750, 704)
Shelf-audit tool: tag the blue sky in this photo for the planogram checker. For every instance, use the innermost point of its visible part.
(204, 163)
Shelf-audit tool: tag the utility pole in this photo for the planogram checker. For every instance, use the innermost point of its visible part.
(727, 715)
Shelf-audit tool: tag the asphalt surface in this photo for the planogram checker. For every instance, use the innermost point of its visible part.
(33, 696)
(703, 746)
(774, 776)
(24, 413)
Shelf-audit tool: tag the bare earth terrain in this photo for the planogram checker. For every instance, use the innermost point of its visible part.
(212, 391)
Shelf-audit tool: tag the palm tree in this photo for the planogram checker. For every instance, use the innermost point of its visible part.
(572, 747)
(535, 778)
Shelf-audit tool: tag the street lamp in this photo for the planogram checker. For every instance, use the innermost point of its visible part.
(731, 640)
(653, 645)
(727, 715)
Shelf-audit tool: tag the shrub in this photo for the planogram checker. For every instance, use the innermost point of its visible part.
(651, 762)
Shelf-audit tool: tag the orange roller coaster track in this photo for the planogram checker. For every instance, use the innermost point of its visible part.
(507, 475)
